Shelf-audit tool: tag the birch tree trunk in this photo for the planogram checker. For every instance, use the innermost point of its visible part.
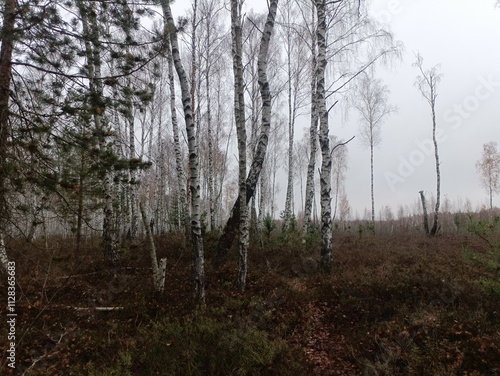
(324, 140)
(132, 183)
(239, 115)
(211, 167)
(194, 184)
(426, 216)
(291, 124)
(159, 271)
(260, 153)
(427, 84)
(371, 186)
(184, 210)
(434, 229)
(7, 39)
(313, 137)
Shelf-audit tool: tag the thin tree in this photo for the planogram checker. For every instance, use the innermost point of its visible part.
(194, 183)
(179, 169)
(260, 151)
(313, 134)
(371, 101)
(489, 169)
(296, 69)
(358, 44)
(324, 140)
(239, 116)
(427, 83)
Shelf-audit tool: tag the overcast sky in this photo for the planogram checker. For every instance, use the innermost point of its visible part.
(463, 37)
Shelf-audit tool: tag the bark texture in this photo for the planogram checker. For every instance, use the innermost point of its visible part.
(184, 209)
(7, 39)
(324, 140)
(239, 115)
(426, 216)
(231, 227)
(194, 183)
(313, 139)
(159, 271)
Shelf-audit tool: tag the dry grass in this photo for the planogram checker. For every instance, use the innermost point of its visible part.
(392, 305)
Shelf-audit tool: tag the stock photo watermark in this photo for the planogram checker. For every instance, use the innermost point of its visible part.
(11, 314)
(454, 118)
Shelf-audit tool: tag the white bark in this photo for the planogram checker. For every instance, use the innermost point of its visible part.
(159, 271)
(184, 210)
(194, 184)
(427, 84)
(260, 151)
(371, 101)
(326, 162)
(133, 187)
(313, 138)
(239, 115)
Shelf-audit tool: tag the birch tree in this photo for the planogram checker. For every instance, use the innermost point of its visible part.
(194, 184)
(260, 152)
(357, 43)
(239, 116)
(181, 186)
(296, 67)
(324, 140)
(371, 102)
(488, 168)
(427, 82)
(313, 132)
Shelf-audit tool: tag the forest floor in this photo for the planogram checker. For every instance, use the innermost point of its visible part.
(392, 305)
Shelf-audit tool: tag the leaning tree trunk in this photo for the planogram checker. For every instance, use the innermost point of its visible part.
(313, 137)
(324, 141)
(159, 270)
(228, 235)
(7, 39)
(194, 183)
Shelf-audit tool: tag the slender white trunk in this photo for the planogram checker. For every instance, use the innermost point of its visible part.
(324, 140)
(194, 184)
(313, 137)
(261, 148)
(184, 210)
(371, 180)
(211, 170)
(239, 115)
(159, 271)
(134, 217)
(435, 226)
